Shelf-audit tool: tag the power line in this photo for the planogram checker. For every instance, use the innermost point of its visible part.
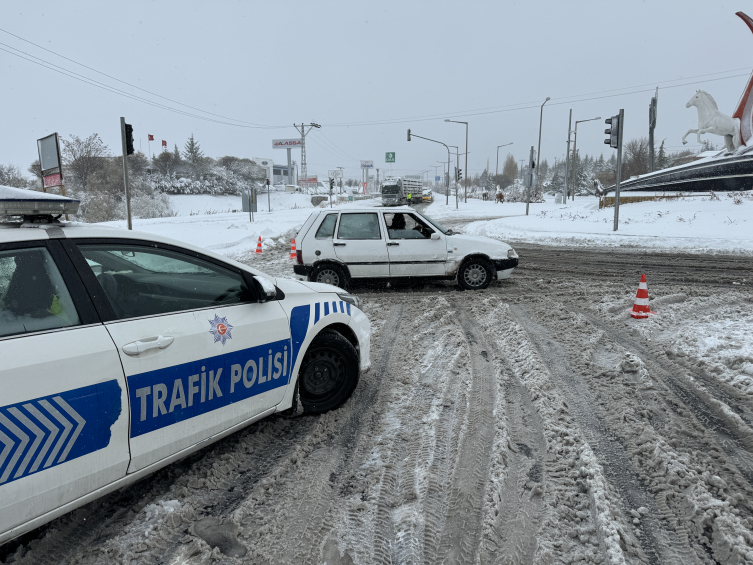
(113, 90)
(117, 79)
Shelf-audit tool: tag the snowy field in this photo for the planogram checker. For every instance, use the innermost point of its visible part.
(692, 224)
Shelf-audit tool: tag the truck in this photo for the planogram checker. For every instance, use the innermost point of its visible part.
(395, 190)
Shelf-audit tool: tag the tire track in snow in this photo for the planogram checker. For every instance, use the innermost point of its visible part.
(462, 529)
(660, 544)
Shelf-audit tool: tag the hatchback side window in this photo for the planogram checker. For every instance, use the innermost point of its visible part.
(359, 226)
(147, 281)
(33, 296)
(406, 226)
(327, 229)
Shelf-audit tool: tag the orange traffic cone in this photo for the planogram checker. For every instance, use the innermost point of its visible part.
(258, 245)
(640, 306)
(292, 250)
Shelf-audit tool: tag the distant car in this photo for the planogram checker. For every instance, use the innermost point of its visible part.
(335, 247)
(426, 195)
(123, 352)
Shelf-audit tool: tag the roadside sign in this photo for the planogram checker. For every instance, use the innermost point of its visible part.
(367, 164)
(286, 143)
(437, 179)
(52, 180)
(336, 174)
(49, 154)
(389, 157)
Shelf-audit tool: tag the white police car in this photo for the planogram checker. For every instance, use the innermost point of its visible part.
(336, 246)
(122, 352)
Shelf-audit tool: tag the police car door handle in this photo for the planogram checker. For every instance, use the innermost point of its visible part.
(138, 347)
(338, 244)
(392, 243)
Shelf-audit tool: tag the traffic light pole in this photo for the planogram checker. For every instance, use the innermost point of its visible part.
(619, 171)
(567, 157)
(125, 171)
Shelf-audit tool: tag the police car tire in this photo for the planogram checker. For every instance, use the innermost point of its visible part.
(342, 277)
(475, 263)
(328, 374)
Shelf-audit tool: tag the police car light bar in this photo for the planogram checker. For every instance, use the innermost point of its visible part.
(22, 202)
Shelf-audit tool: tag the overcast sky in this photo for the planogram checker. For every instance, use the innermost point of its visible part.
(348, 64)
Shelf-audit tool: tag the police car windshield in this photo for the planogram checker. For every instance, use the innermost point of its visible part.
(440, 227)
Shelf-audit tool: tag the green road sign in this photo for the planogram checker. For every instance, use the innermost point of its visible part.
(389, 157)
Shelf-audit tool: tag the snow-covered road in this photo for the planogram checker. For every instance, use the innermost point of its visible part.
(533, 422)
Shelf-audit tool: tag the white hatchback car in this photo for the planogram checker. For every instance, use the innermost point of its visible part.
(335, 246)
(123, 352)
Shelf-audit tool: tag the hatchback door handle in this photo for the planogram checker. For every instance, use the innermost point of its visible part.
(392, 243)
(337, 244)
(138, 347)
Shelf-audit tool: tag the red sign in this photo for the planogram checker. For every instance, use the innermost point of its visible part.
(52, 180)
(364, 187)
(164, 143)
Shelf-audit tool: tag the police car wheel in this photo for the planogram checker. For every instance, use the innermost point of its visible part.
(475, 274)
(329, 373)
(329, 274)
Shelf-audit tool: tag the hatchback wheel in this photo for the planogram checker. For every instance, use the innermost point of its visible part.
(329, 274)
(476, 273)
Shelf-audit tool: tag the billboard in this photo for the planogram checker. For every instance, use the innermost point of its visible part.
(286, 143)
(367, 164)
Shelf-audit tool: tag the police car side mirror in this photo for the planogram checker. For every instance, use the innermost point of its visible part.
(434, 236)
(267, 290)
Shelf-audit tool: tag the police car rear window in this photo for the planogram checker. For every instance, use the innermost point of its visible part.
(33, 296)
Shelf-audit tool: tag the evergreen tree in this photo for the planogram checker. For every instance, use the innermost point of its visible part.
(661, 161)
(192, 152)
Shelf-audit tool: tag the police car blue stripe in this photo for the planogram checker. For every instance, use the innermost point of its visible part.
(326, 308)
(91, 411)
(316, 312)
(170, 395)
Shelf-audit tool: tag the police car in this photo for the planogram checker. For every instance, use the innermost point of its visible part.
(123, 352)
(337, 246)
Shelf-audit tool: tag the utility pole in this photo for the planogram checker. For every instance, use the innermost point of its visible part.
(567, 158)
(304, 132)
(529, 180)
(522, 168)
(341, 179)
(290, 168)
(652, 107)
(125, 170)
(377, 181)
(538, 151)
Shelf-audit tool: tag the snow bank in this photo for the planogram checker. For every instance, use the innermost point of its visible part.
(692, 224)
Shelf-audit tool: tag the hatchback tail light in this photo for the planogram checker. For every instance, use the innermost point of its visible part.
(299, 256)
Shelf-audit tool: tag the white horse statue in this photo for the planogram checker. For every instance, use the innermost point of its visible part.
(711, 120)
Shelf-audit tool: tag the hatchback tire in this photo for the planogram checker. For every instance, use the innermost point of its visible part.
(475, 273)
(329, 273)
(328, 374)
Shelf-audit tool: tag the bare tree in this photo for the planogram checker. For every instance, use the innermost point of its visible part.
(10, 175)
(636, 159)
(84, 157)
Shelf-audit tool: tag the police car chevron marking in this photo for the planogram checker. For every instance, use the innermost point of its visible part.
(166, 396)
(30, 429)
(301, 321)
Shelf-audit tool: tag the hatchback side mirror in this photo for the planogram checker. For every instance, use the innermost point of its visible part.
(435, 236)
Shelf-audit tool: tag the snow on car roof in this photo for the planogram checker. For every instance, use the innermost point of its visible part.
(25, 195)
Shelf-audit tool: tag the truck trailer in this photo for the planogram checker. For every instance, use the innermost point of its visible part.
(395, 190)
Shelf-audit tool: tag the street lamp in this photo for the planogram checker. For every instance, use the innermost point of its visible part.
(447, 201)
(538, 154)
(465, 199)
(457, 162)
(575, 145)
(498, 146)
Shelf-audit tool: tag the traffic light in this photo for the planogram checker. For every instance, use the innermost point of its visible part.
(129, 139)
(331, 184)
(408, 134)
(613, 132)
(460, 174)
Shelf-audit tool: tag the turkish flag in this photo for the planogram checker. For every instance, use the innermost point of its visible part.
(151, 137)
(164, 143)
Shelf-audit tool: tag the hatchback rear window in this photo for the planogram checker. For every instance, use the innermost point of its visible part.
(327, 229)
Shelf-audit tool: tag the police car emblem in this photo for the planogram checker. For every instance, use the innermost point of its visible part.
(220, 329)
